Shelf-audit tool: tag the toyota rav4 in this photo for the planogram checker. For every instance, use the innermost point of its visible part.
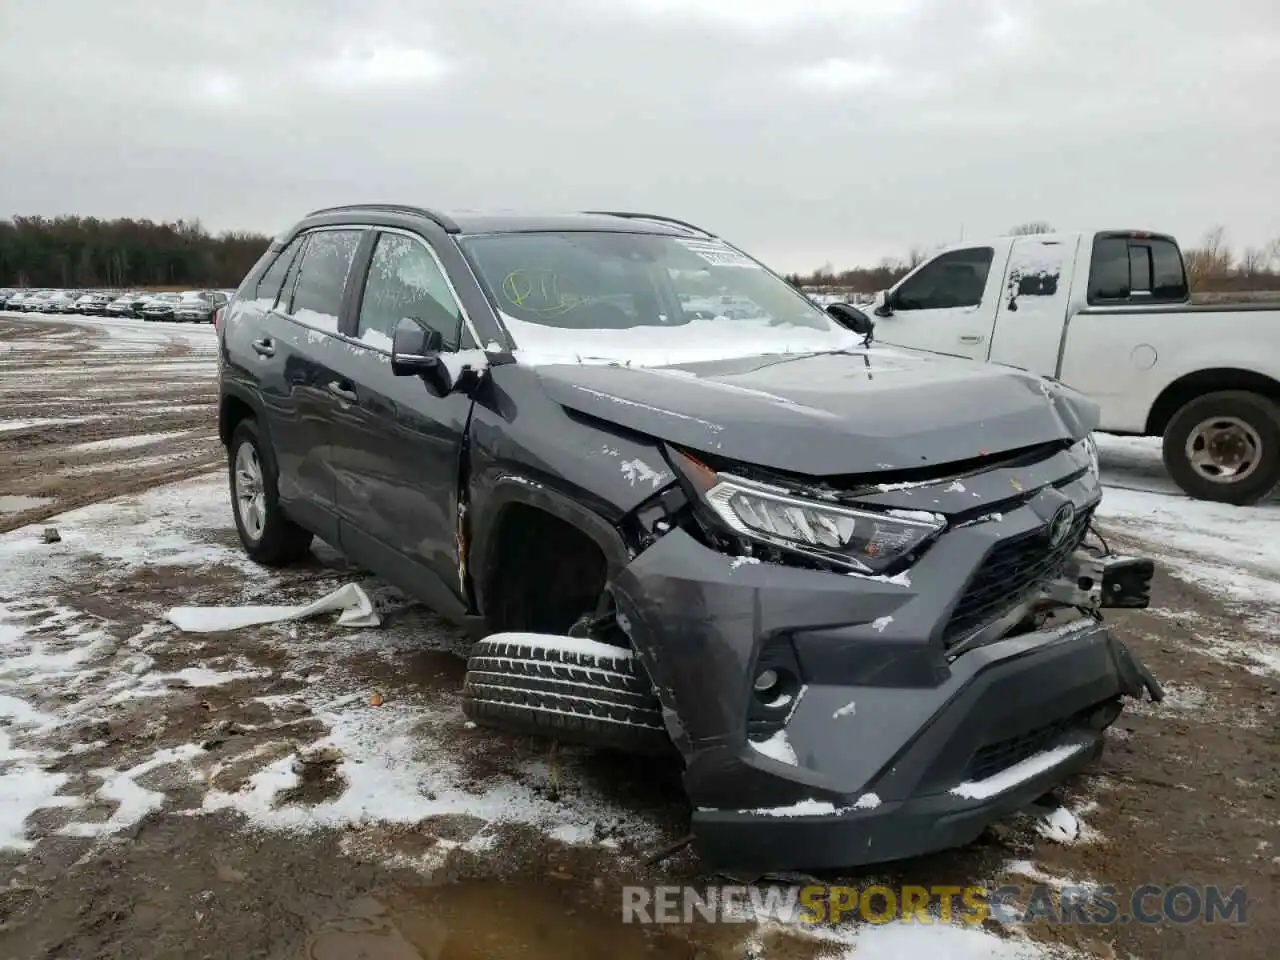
(851, 586)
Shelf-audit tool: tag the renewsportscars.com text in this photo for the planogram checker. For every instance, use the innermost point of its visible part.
(1012, 903)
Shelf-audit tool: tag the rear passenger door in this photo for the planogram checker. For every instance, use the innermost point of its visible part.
(1033, 304)
(396, 446)
(302, 335)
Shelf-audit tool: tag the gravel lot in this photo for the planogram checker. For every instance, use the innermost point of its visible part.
(302, 790)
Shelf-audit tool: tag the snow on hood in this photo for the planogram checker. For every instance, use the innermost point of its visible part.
(700, 340)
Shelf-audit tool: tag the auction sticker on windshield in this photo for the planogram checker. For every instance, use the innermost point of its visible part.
(719, 254)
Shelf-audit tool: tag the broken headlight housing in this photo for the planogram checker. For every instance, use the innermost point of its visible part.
(863, 541)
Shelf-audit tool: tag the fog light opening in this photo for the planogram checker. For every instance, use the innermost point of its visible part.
(774, 689)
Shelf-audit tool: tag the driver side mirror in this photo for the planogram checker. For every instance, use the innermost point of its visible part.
(883, 304)
(847, 315)
(415, 351)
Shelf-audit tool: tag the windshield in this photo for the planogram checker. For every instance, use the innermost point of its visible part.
(644, 299)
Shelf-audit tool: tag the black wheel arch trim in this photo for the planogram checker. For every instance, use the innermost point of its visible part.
(248, 398)
(510, 490)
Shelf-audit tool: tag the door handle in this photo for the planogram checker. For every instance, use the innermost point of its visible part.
(265, 347)
(971, 338)
(343, 390)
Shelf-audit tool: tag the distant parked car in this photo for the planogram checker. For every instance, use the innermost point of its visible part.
(5, 294)
(93, 304)
(160, 306)
(121, 305)
(60, 301)
(16, 299)
(140, 300)
(199, 306)
(34, 303)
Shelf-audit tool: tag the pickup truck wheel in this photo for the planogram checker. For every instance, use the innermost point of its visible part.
(575, 690)
(1225, 447)
(268, 536)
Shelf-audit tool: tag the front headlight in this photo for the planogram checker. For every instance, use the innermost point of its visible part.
(862, 540)
(1089, 446)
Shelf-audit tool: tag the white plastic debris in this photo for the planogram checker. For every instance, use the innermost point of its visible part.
(356, 610)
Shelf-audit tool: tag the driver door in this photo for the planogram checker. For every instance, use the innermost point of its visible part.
(947, 306)
(396, 445)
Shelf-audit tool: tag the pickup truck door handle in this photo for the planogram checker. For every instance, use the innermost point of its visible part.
(343, 390)
(971, 338)
(265, 347)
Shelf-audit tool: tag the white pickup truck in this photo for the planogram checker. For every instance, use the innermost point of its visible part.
(1109, 314)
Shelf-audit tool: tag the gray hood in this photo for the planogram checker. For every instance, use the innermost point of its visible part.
(860, 412)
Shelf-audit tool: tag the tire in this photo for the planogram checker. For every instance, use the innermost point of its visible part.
(268, 536)
(1249, 415)
(521, 684)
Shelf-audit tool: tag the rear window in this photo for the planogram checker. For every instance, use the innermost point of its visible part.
(272, 278)
(1133, 269)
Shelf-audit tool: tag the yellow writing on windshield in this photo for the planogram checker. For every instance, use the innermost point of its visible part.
(543, 293)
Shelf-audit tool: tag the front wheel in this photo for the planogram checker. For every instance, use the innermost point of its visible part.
(1225, 447)
(268, 536)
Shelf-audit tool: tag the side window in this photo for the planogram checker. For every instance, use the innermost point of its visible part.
(1168, 278)
(1110, 270)
(955, 279)
(291, 278)
(406, 281)
(269, 284)
(1139, 269)
(1146, 268)
(322, 278)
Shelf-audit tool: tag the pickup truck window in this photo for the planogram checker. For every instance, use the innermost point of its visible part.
(954, 279)
(1129, 269)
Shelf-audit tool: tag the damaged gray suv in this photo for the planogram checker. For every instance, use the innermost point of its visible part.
(852, 587)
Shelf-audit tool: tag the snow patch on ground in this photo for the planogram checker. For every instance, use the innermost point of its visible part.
(1029, 870)
(10, 426)
(395, 774)
(124, 443)
(132, 801)
(398, 762)
(885, 941)
(1231, 551)
(17, 503)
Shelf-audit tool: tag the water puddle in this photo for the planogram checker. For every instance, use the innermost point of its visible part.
(18, 503)
(492, 920)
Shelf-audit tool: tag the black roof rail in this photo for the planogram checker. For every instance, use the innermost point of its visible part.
(650, 216)
(440, 219)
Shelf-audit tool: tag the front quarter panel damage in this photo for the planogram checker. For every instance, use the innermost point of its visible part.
(535, 453)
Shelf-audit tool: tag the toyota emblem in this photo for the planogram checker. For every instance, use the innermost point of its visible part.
(1060, 526)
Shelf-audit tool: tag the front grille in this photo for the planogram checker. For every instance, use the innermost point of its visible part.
(1013, 570)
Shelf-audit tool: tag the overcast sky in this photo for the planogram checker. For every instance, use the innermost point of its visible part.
(804, 130)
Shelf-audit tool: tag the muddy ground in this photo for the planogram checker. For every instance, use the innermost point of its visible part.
(269, 792)
(92, 410)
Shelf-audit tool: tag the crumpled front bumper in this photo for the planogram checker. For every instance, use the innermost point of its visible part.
(889, 750)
